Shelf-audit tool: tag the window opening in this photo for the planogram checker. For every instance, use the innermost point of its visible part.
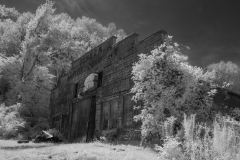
(106, 115)
(136, 111)
(115, 51)
(100, 77)
(114, 113)
(128, 111)
(75, 90)
(131, 109)
(100, 50)
(110, 114)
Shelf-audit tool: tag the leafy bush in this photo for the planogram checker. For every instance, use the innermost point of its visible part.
(171, 150)
(219, 141)
(10, 121)
(169, 86)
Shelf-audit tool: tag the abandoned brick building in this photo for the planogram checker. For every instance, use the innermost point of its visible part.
(95, 94)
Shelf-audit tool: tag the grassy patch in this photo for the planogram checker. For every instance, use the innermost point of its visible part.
(77, 151)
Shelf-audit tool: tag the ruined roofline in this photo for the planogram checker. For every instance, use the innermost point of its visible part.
(231, 92)
(107, 40)
(148, 37)
(124, 39)
(234, 93)
(141, 41)
(113, 38)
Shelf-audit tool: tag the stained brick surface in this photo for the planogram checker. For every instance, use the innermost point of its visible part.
(115, 60)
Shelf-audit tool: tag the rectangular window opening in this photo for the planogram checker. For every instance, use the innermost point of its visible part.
(136, 111)
(75, 90)
(110, 114)
(100, 77)
(129, 111)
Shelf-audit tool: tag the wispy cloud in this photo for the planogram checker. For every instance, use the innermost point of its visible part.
(141, 24)
(83, 7)
(73, 4)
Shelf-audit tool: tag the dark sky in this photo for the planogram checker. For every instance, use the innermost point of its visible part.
(211, 28)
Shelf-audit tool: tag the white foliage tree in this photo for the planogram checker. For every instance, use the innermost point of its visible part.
(169, 86)
(37, 49)
(227, 75)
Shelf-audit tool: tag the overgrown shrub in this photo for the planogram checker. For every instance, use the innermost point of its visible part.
(219, 141)
(11, 123)
(169, 86)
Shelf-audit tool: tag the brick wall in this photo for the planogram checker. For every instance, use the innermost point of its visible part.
(115, 60)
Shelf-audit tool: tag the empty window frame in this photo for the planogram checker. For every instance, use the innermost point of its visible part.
(110, 114)
(114, 113)
(75, 95)
(105, 115)
(100, 79)
(100, 50)
(129, 112)
(136, 111)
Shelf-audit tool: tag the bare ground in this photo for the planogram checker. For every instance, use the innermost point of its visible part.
(77, 151)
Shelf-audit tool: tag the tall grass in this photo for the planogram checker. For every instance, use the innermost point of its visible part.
(218, 141)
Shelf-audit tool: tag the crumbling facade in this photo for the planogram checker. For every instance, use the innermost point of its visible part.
(95, 95)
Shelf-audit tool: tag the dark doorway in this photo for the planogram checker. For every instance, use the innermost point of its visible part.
(83, 120)
(91, 121)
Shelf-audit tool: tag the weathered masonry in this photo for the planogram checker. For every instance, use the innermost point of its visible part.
(95, 95)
